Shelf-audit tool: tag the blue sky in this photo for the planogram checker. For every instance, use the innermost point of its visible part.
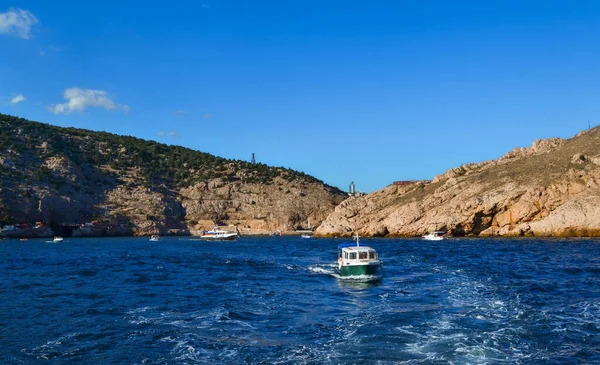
(369, 92)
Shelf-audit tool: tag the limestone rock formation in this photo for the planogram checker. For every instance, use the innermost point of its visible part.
(549, 189)
(66, 177)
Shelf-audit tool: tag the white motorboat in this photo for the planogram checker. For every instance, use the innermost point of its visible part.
(154, 238)
(434, 236)
(57, 239)
(219, 234)
(305, 236)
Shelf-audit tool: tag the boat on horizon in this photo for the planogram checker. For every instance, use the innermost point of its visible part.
(57, 239)
(434, 236)
(357, 260)
(154, 238)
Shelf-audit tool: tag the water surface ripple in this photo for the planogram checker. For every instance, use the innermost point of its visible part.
(277, 300)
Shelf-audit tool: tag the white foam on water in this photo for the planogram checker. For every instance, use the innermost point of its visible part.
(357, 278)
(183, 351)
(139, 310)
(44, 351)
(318, 353)
(479, 330)
(320, 270)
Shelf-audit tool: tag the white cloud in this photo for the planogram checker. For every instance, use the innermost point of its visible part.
(80, 99)
(17, 22)
(168, 134)
(17, 99)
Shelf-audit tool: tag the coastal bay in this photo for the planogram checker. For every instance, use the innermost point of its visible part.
(278, 300)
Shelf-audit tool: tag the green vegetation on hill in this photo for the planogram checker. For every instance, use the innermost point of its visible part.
(159, 164)
(66, 175)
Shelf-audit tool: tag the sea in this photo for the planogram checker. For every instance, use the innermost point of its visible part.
(278, 300)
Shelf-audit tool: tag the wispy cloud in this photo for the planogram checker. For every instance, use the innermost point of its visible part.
(81, 99)
(17, 99)
(181, 112)
(17, 22)
(168, 134)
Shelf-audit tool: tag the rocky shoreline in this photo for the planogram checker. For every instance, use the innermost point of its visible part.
(61, 178)
(551, 189)
(116, 231)
(131, 187)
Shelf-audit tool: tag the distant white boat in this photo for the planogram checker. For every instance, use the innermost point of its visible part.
(154, 238)
(219, 234)
(434, 236)
(57, 239)
(306, 236)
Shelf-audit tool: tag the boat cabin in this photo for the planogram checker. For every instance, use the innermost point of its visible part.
(356, 260)
(351, 253)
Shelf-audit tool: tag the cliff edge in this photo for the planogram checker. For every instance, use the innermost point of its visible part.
(551, 189)
(67, 177)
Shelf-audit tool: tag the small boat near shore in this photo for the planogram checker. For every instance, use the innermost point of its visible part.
(434, 236)
(219, 234)
(305, 236)
(357, 260)
(57, 239)
(154, 238)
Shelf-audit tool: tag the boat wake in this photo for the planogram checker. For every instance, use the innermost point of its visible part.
(326, 269)
(358, 278)
(480, 332)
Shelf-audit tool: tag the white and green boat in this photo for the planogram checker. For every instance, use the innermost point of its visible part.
(357, 260)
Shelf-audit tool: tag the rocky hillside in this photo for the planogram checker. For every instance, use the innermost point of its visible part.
(71, 176)
(549, 189)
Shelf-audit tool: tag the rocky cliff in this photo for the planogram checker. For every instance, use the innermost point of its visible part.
(67, 176)
(549, 189)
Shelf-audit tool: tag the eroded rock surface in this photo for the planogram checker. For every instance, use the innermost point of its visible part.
(549, 189)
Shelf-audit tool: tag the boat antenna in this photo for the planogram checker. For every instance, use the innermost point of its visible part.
(357, 243)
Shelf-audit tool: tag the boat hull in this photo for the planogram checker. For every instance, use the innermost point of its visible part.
(223, 238)
(358, 270)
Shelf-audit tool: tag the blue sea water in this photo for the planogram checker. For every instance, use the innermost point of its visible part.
(277, 300)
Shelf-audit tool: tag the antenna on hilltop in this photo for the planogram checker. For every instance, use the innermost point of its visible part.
(253, 159)
(589, 127)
